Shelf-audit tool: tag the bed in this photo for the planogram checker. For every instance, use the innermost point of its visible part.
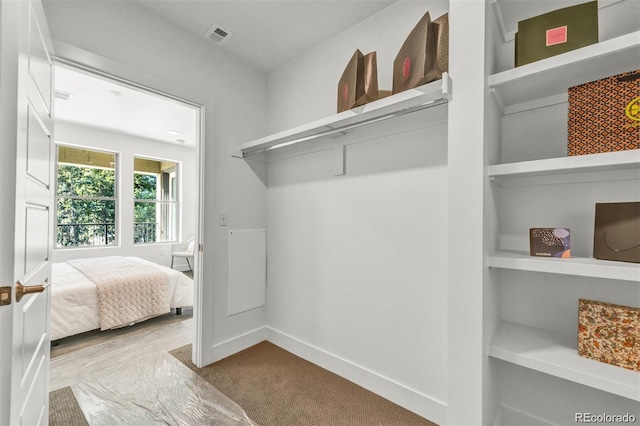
(79, 304)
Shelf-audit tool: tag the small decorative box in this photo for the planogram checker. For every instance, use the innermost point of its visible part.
(609, 333)
(550, 242)
(616, 234)
(556, 32)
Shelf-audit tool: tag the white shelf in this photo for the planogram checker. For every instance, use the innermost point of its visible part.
(602, 166)
(430, 94)
(557, 355)
(577, 266)
(554, 75)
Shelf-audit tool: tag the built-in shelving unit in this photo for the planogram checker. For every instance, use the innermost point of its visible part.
(528, 97)
(557, 355)
(554, 75)
(578, 266)
(428, 95)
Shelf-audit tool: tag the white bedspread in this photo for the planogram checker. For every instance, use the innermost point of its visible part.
(74, 298)
(128, 291)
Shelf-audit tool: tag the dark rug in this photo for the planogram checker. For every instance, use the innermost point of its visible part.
(94, 337)
(64, 409)
(278, 388)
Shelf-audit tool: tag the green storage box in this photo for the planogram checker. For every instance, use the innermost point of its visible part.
(556, 32)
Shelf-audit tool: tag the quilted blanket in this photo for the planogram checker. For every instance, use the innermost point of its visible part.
(128, 291)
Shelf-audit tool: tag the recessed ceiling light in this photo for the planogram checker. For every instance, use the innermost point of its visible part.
(115, 93)
(173, 132)
(180, 140)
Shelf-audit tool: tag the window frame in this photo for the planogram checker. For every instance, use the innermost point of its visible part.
(115, 198)
(159, 201)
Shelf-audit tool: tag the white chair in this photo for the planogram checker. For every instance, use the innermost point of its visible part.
(185, 250)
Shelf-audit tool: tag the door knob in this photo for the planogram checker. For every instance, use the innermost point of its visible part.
(22, 290)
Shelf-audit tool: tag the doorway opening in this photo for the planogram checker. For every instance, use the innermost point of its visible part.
(129, 183)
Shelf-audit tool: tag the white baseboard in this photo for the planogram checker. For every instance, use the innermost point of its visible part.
(237, 344)
(511, 417)
(408, 398)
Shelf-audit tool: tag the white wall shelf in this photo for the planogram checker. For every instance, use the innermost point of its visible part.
(578, 266)
(554, 75)
(605, 166)
(428, 95)
(557, 355)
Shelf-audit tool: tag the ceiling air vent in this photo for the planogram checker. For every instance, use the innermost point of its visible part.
(218, 34)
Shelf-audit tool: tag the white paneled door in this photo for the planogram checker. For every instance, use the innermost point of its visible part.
(26, 211)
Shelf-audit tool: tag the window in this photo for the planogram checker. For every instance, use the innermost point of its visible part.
(155, 201)
(86, 199)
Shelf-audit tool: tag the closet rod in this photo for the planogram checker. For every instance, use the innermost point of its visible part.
(343, 129)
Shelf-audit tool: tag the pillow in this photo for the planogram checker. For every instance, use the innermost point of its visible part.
(191, 245)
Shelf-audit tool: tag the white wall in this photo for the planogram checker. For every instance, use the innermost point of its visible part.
(357, 265)
(123, 39)
(127, 147)
(305, 88)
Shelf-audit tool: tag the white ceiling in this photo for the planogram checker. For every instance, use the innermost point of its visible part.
(266, 34)
(92, 102)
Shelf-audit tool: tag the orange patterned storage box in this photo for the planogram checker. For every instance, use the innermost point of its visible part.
(609, 333)
(604, 115)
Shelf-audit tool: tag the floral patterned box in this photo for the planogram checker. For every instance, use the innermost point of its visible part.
(609, 333)
(550, 242)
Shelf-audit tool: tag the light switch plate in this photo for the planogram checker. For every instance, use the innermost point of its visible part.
(222, 219)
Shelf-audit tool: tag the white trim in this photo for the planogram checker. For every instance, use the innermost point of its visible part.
(124, 81)
(198, 302)
(398, 393)
(236, 344)
(524, 417)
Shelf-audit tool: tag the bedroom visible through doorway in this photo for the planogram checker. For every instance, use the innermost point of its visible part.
(128, 195)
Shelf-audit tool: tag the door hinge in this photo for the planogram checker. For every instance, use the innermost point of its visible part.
(5, 296)
(200, 247)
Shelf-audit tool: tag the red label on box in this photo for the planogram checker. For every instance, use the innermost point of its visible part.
(406, 67)
(557, 36)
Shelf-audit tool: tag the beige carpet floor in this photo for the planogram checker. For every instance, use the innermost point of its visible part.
(64, 409)
(277, 388)
(94, 337)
